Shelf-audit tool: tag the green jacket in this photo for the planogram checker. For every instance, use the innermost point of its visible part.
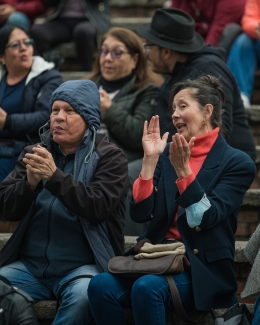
(125, 118)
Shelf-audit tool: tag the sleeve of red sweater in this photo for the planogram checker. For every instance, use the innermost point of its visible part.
(183, 183)
(226, 12)
(251, 18)
(142, 189)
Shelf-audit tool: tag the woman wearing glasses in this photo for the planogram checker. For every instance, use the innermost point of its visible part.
(127, 95)
(26, 83)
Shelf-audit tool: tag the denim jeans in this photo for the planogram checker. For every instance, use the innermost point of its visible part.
(243, 60)
(7, 165)
(75, 308)
(256, 320)
(149, 297)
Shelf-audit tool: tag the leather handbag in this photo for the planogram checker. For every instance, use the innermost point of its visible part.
(151, 259)
(129, 266)
(163, 259)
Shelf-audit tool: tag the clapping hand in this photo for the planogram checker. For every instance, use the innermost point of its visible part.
(153, 146)
(105, 101)
(3, 115)
(39, 165)
(179, 154)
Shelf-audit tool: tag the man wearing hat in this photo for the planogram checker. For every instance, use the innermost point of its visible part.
(68, 195)
(174, 49)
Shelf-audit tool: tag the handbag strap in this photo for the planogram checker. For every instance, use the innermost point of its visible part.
(178, 304)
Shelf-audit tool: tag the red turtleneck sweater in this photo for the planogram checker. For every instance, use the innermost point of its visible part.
(202, 146)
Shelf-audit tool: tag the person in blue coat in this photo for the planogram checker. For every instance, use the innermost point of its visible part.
(191, 190)
(26, 84)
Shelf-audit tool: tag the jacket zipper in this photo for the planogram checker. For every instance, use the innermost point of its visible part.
(48, 238)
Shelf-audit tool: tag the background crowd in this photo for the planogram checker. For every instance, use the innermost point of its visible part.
(134, 72)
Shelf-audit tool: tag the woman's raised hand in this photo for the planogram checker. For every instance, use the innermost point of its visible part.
(153, 146)
(179, 154)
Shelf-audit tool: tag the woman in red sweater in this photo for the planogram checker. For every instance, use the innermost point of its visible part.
(191, 190)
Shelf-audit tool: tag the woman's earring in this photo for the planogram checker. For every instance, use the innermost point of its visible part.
(205, 121)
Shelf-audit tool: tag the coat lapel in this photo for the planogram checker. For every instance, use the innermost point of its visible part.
(170, 187)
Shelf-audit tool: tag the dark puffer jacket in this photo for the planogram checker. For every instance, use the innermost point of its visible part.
(40, 83)
(210, 61)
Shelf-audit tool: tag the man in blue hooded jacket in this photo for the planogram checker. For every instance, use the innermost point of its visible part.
(68, 194)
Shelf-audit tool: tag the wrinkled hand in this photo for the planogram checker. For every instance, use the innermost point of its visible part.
(3, 115)
(153, 144)
(40, 165)
(6, 10)
(105, 102)
(179, 154)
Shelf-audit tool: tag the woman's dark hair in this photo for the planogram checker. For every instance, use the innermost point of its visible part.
(206, 90)
(5, 33)
(134, 45)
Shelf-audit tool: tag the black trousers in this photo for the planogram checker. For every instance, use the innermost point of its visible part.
(59, 30)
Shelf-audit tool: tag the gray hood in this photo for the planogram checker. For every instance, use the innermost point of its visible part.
(83, 96)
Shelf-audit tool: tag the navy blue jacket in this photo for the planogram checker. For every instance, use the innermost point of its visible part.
(41, 81)
(225, 176)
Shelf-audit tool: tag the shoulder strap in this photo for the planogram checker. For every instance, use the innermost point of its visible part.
(178, 304)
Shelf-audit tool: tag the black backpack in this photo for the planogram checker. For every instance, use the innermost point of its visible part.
(16, 306)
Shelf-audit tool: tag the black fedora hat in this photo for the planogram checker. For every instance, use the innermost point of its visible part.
(173, 29)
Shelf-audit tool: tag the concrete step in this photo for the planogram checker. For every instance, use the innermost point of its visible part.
(73, 75)
(253, 113)
(47, 308)
(252, 198)
(136, 3)
(130, 22)
(257, 161)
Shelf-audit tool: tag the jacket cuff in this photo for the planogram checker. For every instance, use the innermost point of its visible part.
(191, 195)
(8, 122)
(55, 179)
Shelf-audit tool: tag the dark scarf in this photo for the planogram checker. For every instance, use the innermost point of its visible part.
(111, 86)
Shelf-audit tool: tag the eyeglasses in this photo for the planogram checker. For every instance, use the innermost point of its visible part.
(147, 45)
(17, 44)
(115, 54)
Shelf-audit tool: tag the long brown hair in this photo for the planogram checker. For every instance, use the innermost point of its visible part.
(134, 45)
